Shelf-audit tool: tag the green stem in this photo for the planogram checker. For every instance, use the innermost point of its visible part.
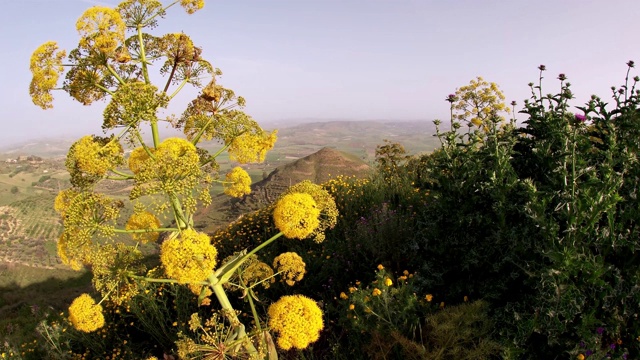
(115, 74)
(104, 89)
(181, 220)
(199, 134)
(154, 133)
(230, 313)
(176, 91)
(143, 57)
(225, 271)
(127, 176)
(144, 230)
(254, 311)
(149, 20)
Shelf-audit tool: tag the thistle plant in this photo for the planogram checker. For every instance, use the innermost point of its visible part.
(169, 179)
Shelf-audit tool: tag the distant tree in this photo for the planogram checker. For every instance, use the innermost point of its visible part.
(14, 190)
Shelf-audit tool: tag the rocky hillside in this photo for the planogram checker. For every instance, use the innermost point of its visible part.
(317, 167)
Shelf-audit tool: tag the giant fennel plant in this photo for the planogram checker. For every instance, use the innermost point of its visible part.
(169, 179)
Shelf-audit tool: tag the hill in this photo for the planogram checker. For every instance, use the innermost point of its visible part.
(318, 167)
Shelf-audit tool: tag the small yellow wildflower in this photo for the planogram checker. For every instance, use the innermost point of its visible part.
(188, 258)
(405, 273)
(380, 267)
(442, 304)
(429, 297)
(466, 298)
(296, 215)
(138, 157)
(343, 296)
(291, 266)
(351, 307)
(297, 320)
(376, 292)
(237, 182)
(101, 28)
(388, 282)
(141, 221)
(85, 315)
(191, 6)
(46, 67)
(580, 357)
(352, 290)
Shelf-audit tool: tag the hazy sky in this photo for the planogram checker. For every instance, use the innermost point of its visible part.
(346, 59)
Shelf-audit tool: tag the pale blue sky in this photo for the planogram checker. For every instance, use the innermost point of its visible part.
(346, 59)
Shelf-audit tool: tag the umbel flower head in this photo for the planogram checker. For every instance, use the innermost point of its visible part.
(101, 28)
(91, 157)
(189, 257)
(46, 67)
(143, 220)
(238, 182)
(297, 320)
(85, 315)
(296, 215)
(291, 266)
(325, 204)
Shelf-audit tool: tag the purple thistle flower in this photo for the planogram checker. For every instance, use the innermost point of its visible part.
(451, 98)
(582, 344)
(599, 330)
(612, 346)
(542, 68)
(630, 64)
(625, 356)
(588, 353)
(581, 118)
(562, 77)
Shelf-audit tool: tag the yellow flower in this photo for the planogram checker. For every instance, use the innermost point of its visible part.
(380, 267)
(138, 157)
(376, 292)
(388, 282)
(93, 156)
(101, 28)
(580, 357)
(466, 298)
(251, 148)
(352, 290)
(46, 67)
(143, 220)
(429, 297)
(442, 304)
(132, 103)
(85, 315)
(192, 6)
(343, 296)
(296, 215)
(237, 182)
(351, 307)
(291, 266)
(297, 320)
(189, 257)
(63, 199)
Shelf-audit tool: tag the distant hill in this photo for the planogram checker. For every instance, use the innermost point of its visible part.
(318, 167)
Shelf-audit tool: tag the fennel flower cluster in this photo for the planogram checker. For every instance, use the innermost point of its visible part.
(291, 266)
(249, 148)
(325, 203)
(188, 258)
(143, 220)
(85, 315)
(296, 215)
(46, 67)
(297, 320)
(91, 157)
(101, 28)
(237, 182)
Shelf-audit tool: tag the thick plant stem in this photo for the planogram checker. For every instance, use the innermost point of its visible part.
(143, 57)
(230, 313)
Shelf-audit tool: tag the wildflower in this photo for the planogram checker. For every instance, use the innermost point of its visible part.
(580, 357)
(132, 103)
(297, 320)
(46, 67)
(599, 330)
(562, 77)
(442, 305)
(189, 257)
(237, 182)
(91, 157)
(580, 118)
(101, 28)
(351, 306)
(466, 298)
(296, 215)
(291, 266)
(191, 6)
(85, 315)
(388, 282)
(343, 296)
(380, 267)
(405, 273)
(429, 297)
(376, 292)
(251, 148)
(542, 68)
(138, 157)
(140, 221)
(451, 98)
(630, 63)
(352, 290)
